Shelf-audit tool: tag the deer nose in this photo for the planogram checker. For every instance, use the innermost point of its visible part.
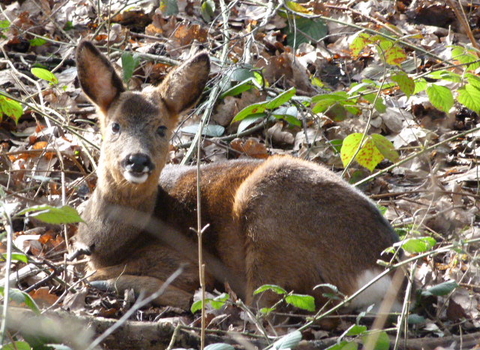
(138, 163)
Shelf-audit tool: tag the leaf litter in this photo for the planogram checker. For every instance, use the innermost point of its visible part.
(49, 154)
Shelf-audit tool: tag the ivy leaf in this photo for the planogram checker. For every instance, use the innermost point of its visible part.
(53, 215)
(440, 97)
(45, 75)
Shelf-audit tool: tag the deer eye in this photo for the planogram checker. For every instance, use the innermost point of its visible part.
(162, 130)
(115, 127)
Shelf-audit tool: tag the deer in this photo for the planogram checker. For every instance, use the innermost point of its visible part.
(283, 220)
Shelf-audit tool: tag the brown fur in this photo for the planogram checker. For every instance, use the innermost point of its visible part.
(284, 221)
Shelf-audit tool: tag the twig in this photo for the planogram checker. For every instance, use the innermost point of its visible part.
(6, 291)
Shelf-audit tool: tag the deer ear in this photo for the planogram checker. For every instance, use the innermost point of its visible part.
(181, 89)
(97, 76)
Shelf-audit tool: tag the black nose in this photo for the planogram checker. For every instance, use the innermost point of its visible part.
(138, 163)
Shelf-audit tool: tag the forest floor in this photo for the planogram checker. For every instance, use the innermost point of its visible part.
(403, 72)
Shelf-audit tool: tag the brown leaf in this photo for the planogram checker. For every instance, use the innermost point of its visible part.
(251, 147)
(43, 297)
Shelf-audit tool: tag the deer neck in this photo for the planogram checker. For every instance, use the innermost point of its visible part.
(119, 192)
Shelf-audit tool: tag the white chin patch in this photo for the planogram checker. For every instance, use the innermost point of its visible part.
(130, 177)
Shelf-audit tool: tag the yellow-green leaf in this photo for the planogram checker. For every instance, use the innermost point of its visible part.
(45, 75)
(11, 108)
(405, 83)
(440, 97)
(385, 147)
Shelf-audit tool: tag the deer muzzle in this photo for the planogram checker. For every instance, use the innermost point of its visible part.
(137, 167)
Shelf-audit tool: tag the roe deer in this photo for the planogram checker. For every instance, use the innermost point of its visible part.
(285, 221)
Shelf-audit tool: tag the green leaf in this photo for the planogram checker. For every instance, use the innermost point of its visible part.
(473, 79)
(20, 297)
(304, 30)
(344, 345)
(37, 42)
(405, 83)
(129, 64)
(45, 75)
(169, 7)
(53, 215)
(11, 108)
(208, 10)
(245, 123)
(324, 102)
(217, 303)
(419, 245)
(440, 97)
(416, 319)
(284, 97)
(58, 346)
(356, 330)
(239, 88)
(446, 75)
(465, 55)
(4, 25)
(295, 6)
(17, 345)
(304, 302)
(359, 43)
(379, 104)
(261, 107)
(382, 343)
(289, 341)
(16, 257)
(289, 114)
(441, 289)
(271, 287)
(395, 55)
(267, 310)
(420, 85)
(196, 306)
(369, 156)
(219, 346)
(208, 130)
(385, 147)
(469, 96)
